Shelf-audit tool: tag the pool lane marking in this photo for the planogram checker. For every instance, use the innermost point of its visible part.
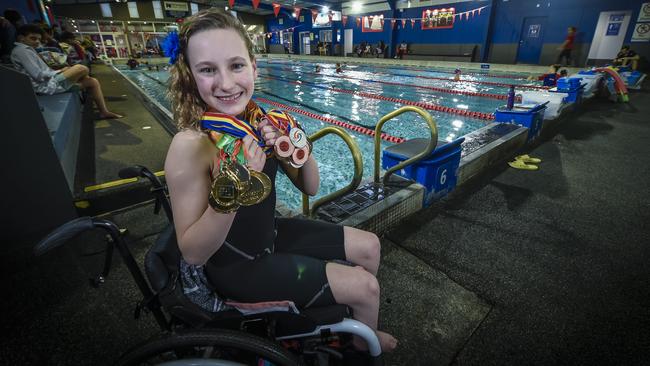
(433, 88)
(366, 131)
(493, 83)
(425, 105)
(116, 183)
(378, 66)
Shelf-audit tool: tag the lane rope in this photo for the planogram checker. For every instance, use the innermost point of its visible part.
(492, 83)
(363, 130)
(433, 88)
(425, 105)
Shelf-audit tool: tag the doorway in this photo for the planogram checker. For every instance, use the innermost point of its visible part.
(347, 42)
(531, 40)
(305, 43)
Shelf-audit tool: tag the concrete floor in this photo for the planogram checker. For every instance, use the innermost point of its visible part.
(520, 267)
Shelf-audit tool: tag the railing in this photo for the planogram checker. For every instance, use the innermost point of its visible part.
(433, 140)
(358, 170)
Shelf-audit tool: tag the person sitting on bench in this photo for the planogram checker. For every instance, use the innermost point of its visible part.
(47, 81)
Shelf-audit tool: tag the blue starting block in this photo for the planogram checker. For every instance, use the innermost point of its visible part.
(572, 86)
(438, 173)
(530, 116)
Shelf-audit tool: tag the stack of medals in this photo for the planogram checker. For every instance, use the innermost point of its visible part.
(293, 147)
(235, 185)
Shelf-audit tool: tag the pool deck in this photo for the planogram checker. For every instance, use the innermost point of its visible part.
(517, 267)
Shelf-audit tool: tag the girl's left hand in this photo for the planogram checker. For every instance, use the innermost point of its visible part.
(268, 132)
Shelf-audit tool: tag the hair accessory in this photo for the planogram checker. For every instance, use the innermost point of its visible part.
(171, 47)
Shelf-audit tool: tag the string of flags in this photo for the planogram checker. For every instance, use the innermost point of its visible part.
(344, 18)
(431, 18)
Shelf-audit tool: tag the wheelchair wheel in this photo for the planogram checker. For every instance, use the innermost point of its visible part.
(212, 347)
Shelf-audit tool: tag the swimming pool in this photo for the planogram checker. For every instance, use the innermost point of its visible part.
(361, 95)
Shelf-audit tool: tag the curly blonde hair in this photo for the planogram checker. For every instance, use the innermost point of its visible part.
(187, 105)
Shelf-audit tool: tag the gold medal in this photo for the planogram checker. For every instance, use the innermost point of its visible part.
(243, 176)
(260, 188)
(224, 193)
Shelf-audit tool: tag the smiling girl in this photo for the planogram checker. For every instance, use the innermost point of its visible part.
(244, 252)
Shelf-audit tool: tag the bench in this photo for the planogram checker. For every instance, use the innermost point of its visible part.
(37, 195)
(443, 52)
(63, 114)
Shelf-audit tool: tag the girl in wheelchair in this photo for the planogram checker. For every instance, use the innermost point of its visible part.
(220, 170)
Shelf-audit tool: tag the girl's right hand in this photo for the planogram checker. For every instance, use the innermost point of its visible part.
(254, 154)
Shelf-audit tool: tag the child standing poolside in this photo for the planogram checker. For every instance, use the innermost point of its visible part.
(246, 253)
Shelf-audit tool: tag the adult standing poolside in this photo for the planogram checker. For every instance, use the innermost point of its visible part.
(566, 47)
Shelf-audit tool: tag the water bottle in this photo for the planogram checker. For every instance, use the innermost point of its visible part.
(511, 98)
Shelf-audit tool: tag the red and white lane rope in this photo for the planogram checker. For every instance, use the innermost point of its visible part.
(425, 105)
(366, 131)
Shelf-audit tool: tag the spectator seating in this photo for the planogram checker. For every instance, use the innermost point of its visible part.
(37, 195)
(62, 114)
(444, 52)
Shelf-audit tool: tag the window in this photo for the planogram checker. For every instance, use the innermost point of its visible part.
(157, 10)
(194, 7)
(133, 9)
(106, 10)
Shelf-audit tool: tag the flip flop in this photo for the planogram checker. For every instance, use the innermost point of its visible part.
(518, 164)
(528, 159)
(118, 116)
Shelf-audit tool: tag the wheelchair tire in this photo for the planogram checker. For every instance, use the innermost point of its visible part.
(214, 347)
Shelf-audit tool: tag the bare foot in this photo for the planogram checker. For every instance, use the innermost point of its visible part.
(110, 115)
(387, 342)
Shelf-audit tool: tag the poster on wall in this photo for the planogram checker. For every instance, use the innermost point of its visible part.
(613, 29)
(641, 32)
(644, 13)
(176, 9)
(438, 18)
(372, 23)
(324, 20)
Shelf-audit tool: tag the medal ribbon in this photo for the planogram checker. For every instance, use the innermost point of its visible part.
(229, 129)
(281, 120)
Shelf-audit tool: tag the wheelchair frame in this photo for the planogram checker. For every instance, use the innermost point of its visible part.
(186, 322)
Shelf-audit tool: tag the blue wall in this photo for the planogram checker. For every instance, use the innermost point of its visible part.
(500, 23)
(583, 14)
(23, 6)
(472, 30)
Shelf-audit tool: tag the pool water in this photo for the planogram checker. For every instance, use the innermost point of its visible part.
(297, 84)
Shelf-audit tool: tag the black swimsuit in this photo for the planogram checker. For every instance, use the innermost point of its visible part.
(269, 259)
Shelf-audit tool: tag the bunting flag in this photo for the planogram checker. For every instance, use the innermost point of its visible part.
(358, 21)
(276, 9)
(392, 23)
(344, 19)
(314, 14)
(296, 11)
(412, 23)
(231, 3)
(256, 3)
(403, 23)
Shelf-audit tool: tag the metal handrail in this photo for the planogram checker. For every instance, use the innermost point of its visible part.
(433, 140)
(358, 169)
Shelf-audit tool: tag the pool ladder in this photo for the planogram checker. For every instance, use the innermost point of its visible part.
(358, 161)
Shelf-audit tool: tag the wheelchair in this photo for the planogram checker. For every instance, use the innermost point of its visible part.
(194, 336)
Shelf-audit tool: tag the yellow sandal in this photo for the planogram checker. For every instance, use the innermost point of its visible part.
(519, 164)
(528, 159)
